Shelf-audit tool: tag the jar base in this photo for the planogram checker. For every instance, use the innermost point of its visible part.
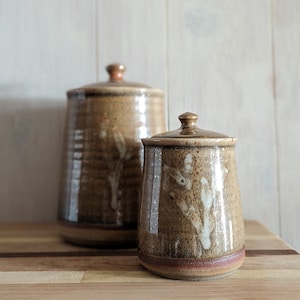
(89, 235)
(194, 269)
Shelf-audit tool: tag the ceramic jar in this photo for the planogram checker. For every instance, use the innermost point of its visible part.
(190, 221)
(103, 158)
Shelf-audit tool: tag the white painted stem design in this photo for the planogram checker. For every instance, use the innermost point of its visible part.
(115, 166)
(201, 222)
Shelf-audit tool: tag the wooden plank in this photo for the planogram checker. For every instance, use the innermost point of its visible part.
(220, 66)
(261, 241)
(42, 240)
(256, 289)
(265, 277)
(257, 228)
(47, 48)
(287, 76)
(193, 290)
(125, 266)
(262, 275)
(269, 244)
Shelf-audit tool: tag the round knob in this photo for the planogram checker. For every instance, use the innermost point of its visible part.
(188, 120)
(115, 72)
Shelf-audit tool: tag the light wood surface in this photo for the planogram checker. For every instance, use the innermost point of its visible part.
(37, 264)
(233, 62)
(43, 239)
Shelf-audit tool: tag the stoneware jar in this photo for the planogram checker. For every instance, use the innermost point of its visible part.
(190, 221)
(103, 158)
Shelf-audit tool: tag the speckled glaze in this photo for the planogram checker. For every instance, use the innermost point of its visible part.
(190, 223)
(103, 158)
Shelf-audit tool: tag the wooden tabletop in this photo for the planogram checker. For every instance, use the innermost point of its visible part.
(36, 264)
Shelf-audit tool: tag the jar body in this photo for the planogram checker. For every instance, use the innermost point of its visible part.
(190, 224)
(102, 164)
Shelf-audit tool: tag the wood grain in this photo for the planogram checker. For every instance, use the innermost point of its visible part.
(126, 269)
(269, 277)
(38, 273)
(252, 289)
(42, 240)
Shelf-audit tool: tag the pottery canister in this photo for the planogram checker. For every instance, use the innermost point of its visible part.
(190, 220)
(102, 164)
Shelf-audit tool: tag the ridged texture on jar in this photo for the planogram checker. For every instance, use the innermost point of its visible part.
(103, 155)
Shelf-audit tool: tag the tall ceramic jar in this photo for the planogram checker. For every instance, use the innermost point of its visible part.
(190, 224)
(103, 158)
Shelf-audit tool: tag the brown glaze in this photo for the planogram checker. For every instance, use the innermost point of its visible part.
(103, 158)
(189, 128)
(190, 206)
(115, 72)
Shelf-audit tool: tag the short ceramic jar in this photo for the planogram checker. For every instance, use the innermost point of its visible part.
(190, 221)
(103, 158)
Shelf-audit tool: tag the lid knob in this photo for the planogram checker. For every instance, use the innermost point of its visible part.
(188, 123)
(189, 129)
(188, 120)
(115, 72)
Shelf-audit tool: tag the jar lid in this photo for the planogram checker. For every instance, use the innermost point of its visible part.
(190, 134)
(115, 84)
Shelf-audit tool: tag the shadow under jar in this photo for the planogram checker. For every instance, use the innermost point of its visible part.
(101, 174)
(190, 221)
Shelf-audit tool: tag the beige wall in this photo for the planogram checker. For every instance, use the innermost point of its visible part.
(234, 62)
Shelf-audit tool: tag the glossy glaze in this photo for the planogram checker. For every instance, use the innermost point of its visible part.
(190, 210)
(103, 158)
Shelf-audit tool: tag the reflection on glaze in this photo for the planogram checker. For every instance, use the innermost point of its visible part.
(141, 108)
(207, 226)
(219, 170)
(155, 191)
